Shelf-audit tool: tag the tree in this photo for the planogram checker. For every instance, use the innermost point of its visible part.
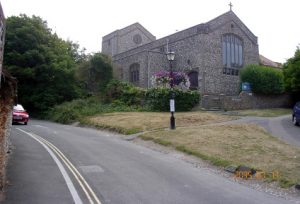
(263, 80)
(291, 71)
(96, 72)
(43, 63)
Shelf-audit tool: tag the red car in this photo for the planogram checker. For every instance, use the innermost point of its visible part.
(20, 115)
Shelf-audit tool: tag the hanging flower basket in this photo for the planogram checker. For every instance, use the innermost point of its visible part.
(163, 79)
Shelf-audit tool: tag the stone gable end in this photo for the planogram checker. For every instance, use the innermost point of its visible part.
(199, 49)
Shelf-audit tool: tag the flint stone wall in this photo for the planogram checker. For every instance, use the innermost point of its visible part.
(253, 101)
(198, 48)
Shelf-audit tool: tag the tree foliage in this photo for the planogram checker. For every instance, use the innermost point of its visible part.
(124, 92)
(291, 71)
(43, 63)
(263, 80)
(96, 72)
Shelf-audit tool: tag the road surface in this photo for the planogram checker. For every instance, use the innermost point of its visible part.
(53, 163)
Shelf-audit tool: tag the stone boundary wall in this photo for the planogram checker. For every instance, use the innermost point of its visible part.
(253, 101)
(7, 98)
(5, 127)
(245, 100)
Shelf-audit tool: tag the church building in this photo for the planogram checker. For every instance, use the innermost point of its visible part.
(211, 54)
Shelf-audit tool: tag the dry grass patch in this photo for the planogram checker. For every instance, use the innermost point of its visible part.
(246, 144)
(272, 112)
(131, 122)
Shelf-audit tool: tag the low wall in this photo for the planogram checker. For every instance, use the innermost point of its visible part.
(245, 100)
(253, 101)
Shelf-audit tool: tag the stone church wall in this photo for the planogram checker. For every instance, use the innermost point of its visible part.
(132, 40)
(198, 48)
(126, 39)
(217, 82)
(141, 59)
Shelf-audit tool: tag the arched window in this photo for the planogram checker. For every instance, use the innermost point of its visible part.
(232, 50)
(134, 72)
(193, 77)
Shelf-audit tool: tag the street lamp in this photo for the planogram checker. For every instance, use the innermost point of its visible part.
(170, 57)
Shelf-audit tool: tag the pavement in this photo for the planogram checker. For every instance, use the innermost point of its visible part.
(53, 163)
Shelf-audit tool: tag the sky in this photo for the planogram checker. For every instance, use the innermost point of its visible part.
(274, 22)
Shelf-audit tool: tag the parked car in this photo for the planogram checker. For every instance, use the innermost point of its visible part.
(20, 115)
(296, 114)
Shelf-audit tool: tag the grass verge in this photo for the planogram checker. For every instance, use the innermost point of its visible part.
(240, 144)
(133, 122)
(113, 127)
(272, 112)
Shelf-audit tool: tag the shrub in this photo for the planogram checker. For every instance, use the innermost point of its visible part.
(263, 80)
(291, 71)
(75, 110)
(124, 92)
(158, 99)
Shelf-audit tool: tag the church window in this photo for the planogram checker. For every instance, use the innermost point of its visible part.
(134, 73)
(193, 77)
(232, 49)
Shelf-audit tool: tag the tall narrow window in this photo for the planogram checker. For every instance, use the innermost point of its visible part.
(134, 71)
(193, 77)
(224, 53)
(232, 50)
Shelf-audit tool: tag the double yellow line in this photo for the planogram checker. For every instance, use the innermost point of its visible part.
(90, 194)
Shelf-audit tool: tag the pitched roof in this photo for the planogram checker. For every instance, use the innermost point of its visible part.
(206, 28)
(267, 62)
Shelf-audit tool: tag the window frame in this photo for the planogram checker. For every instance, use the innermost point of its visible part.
(134, 73)
(196, 79)
(232, 53)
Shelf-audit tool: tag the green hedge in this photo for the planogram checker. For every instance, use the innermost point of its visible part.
(154, 99)
(122, 92)
(158, 99)
(263, 80)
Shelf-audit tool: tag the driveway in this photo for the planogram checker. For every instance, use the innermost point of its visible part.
(53, 163)
(281, 127)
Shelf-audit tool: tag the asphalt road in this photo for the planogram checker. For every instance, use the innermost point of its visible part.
(54, 163)
(283, 128)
